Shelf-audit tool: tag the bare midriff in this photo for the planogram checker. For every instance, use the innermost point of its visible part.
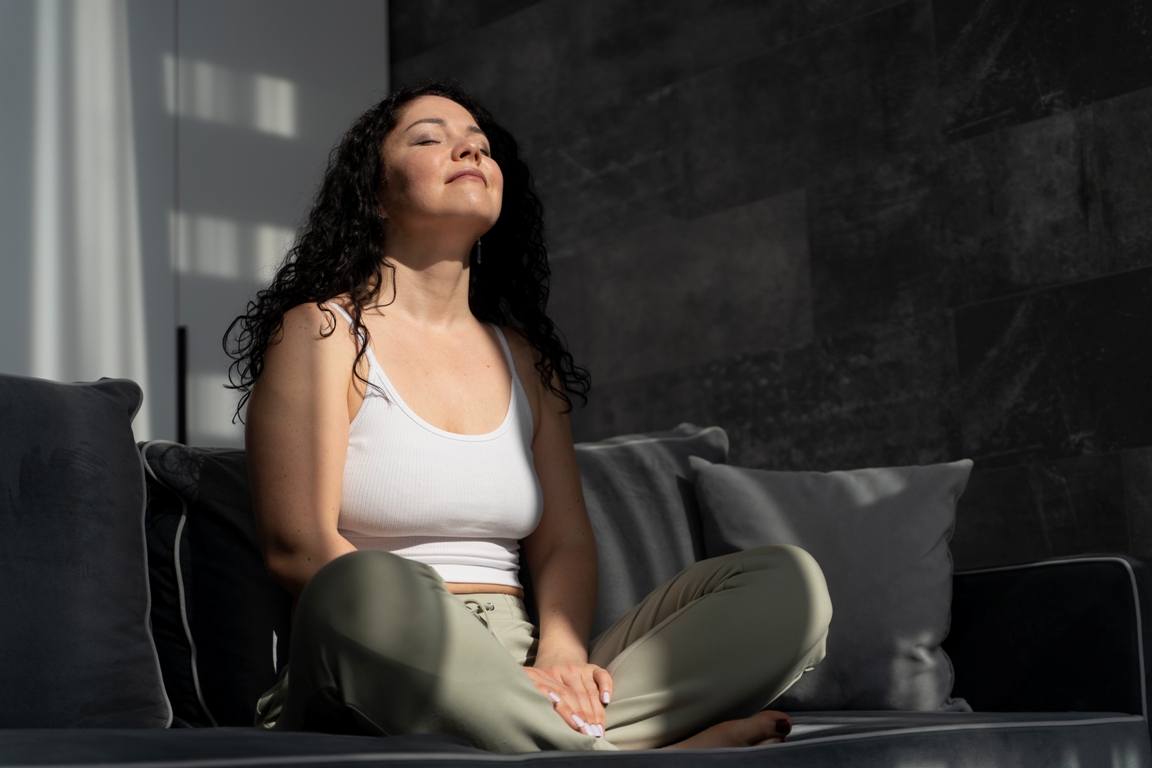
(462, 588)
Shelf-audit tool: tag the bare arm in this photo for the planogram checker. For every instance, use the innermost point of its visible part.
(561, 552)
(561, 556)
(296, 439)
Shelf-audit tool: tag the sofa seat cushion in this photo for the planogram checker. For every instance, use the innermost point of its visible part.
(1017, 739)
(90, 746)
(819, 740)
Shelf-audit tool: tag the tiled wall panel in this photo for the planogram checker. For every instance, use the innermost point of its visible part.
(851, 232)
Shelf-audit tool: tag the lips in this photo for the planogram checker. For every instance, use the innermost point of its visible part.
(468, 172)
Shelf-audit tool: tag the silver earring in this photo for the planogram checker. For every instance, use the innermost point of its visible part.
(479, 252)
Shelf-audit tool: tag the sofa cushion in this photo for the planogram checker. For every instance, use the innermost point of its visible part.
(1018, 739)
(216, 747)
(75, 650)
(221, 624)
(881, 537)
(819, 740)
(643, 510)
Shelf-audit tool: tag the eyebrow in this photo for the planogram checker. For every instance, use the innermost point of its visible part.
(443, 123)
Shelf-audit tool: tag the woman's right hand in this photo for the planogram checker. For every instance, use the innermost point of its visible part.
(579, 693)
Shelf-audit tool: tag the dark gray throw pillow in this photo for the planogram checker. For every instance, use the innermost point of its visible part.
(75, 648)
(221, 624)
(643, 510)
(881, 537)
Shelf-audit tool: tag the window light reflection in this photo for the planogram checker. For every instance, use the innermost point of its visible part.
(216, 94)
(210, 409)
(218, 247)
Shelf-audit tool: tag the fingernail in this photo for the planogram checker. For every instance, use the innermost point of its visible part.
(600, 728)
(579, 723)
(606, 697)
(589, 730)
(783, 726)
(554, 697)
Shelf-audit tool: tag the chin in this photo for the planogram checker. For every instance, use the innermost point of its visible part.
(483, 217)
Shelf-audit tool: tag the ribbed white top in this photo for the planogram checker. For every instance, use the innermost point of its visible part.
(459, 503)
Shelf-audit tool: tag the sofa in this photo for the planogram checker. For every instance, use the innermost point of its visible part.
(137, 625)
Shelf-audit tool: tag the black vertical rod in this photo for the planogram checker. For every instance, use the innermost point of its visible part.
(182, 384)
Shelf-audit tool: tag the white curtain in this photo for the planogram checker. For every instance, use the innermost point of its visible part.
(87, 287)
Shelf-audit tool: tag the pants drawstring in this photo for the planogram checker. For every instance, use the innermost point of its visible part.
(480, 611)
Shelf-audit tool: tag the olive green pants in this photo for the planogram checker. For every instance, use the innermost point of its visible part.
(380, 646)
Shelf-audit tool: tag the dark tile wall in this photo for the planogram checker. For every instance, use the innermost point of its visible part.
(851, 232)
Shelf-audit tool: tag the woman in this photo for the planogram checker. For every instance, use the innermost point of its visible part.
(407, 426)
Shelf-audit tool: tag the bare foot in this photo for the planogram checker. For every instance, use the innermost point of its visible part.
(753, 731)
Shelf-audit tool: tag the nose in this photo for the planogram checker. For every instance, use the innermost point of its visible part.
(468, 149)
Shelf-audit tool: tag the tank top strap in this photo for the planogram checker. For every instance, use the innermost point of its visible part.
(343, 312)
(519, 394)
(507, 351)
(372, 364)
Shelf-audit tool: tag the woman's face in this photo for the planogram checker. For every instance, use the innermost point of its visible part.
(439, 171)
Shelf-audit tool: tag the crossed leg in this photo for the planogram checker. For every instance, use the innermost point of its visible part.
(380, 646)
(717, 642)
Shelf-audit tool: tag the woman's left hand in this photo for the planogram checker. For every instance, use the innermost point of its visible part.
(578, 691)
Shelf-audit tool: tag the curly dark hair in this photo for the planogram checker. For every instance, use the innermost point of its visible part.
(340, 251)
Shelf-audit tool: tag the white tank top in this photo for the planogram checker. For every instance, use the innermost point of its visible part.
(458, 503)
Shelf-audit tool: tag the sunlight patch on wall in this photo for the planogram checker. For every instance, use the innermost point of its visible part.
(225, 248)
(210, 409)
(87, 282)
(216, 94)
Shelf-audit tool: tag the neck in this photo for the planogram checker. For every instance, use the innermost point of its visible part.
(431, 277)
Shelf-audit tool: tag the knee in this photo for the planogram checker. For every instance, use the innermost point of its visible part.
(361, 588)
(792, 571)
(369, 607)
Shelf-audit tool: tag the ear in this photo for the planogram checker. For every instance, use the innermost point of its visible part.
(381, 211)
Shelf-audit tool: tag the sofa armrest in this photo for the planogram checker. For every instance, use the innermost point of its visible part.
(1061, 635)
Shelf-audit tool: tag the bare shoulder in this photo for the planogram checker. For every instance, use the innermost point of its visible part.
(522, 350)
(526, 356)
(308, 323)
(310, 337)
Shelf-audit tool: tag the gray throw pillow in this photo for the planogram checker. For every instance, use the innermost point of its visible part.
(75, 650)
(641, 502)
(881, 537)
